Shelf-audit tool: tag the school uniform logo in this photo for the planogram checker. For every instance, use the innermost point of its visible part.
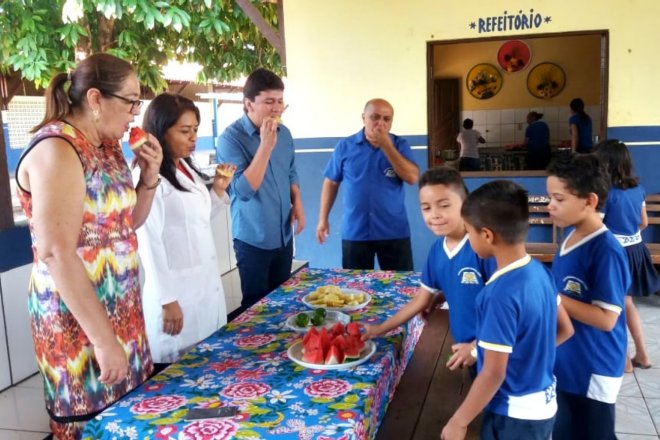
(469, 275)
(574, 286)
(389, 173)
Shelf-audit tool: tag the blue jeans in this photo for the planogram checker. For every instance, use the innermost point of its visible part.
(261, 270)
(392, 254)
(498, 427)
(469, 164)
(582, 418)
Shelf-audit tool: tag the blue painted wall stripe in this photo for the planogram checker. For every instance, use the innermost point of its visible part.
(15, 248)
(649, 133)
(414, 140)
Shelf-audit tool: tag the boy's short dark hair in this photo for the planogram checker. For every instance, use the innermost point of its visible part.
(447, 176)
(260, 80)
(468, 123)
(583, 174)
(501, 206)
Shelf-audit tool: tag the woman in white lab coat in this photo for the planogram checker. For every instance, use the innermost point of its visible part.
(182, 296)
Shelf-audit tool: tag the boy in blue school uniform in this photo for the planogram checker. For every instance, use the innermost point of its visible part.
(517, 324)
(591, 273)
(451, 266)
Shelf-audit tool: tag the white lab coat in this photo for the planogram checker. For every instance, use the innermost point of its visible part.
(178, 257)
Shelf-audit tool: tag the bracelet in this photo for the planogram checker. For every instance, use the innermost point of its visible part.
(154, 186)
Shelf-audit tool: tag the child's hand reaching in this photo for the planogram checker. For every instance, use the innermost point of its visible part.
(371, 331)
(462, 356)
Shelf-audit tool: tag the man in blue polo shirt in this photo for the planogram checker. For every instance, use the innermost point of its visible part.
(373, 164)
(264, 192)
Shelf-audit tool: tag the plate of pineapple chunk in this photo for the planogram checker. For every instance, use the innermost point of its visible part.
(337, 298)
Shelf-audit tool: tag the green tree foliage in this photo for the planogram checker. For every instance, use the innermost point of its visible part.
(39, 40)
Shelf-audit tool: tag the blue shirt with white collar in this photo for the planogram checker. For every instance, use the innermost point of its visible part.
(373, 197)
(259, 218)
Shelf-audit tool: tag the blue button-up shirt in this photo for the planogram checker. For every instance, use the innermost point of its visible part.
(259, 218)
(373, 196)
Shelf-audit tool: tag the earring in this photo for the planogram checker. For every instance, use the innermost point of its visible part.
(96, 115)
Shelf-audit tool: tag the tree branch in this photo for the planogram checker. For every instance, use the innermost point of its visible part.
(266, 29)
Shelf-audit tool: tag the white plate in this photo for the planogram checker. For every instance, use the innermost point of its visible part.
(367, 299)
(331, 318)
(295, 354)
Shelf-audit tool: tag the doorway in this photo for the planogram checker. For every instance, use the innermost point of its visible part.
(582, 57)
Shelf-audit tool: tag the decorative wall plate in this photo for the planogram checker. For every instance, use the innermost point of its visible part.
(514, 56)
(483, 81)
(546, 80)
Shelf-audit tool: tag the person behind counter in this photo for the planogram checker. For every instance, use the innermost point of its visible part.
(183, 298)
(469, 140)
(82, 207)
(580, 126)
(537, 141)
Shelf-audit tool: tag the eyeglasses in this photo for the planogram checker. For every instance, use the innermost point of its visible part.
(135, 103)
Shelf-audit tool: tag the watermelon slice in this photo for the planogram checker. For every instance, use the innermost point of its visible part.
(312, 332)
(339, 341)
(137, 138)
(353, 328)
(313, 356)
(337, 329)
(335, 356)
(352, 350)
(326, 339)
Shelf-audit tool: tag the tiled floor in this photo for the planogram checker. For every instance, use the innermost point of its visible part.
(22, 416)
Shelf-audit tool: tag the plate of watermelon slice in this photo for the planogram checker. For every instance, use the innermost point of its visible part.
(339, 348)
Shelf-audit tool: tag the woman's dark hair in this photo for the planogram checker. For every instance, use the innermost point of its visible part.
(535, 116)
(582, 174)
(449, 177)
(160, 116)
(577, 105)
(259, 81)
(616, 158)
(99, 71)
(501, 206)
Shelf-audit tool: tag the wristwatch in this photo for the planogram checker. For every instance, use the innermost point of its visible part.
(473, 352)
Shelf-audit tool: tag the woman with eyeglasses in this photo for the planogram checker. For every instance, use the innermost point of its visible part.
(183, 298)
(82, 208)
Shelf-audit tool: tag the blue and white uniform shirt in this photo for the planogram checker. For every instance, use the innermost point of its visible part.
(461, 275)
(593, 271)
(517, 314)
(623, 214)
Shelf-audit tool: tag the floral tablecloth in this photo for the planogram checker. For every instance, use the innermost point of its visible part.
(245, 364)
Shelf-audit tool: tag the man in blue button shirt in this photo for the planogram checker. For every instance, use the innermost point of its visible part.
(265, 196)
(373, 163)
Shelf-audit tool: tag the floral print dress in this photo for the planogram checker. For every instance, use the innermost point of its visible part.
(107, 246)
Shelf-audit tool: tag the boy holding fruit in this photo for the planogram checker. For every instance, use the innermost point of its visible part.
(451, 266)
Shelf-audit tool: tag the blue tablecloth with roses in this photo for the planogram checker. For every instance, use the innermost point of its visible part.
(245, 364)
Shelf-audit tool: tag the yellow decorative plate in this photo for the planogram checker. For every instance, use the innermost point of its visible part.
(483, 81)
(546, 80)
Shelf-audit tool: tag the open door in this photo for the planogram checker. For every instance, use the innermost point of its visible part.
(444, 118)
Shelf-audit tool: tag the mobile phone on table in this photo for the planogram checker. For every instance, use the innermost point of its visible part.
(211, 413)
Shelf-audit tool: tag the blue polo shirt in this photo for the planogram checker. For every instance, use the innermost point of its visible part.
(259, 218)
(517, 314)
(538, 135)
(584, 133)
(373, 196)
(593, 271)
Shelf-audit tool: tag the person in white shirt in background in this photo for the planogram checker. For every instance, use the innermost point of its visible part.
(183, 298)
(469, 140)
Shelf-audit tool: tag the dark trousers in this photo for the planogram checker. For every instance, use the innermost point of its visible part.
(469, 164)
(392, 254)
(261, 271)
(582, 418)
(498, 427)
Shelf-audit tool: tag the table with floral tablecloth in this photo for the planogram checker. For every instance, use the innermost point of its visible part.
(245, 364)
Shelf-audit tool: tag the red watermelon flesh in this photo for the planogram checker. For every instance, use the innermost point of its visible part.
(325, 340)
(136, 138)
(337, 329)
(354, 346)
(313, 356)
(335, 356)
(353, 328)
(312, 332)
(339, 341)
